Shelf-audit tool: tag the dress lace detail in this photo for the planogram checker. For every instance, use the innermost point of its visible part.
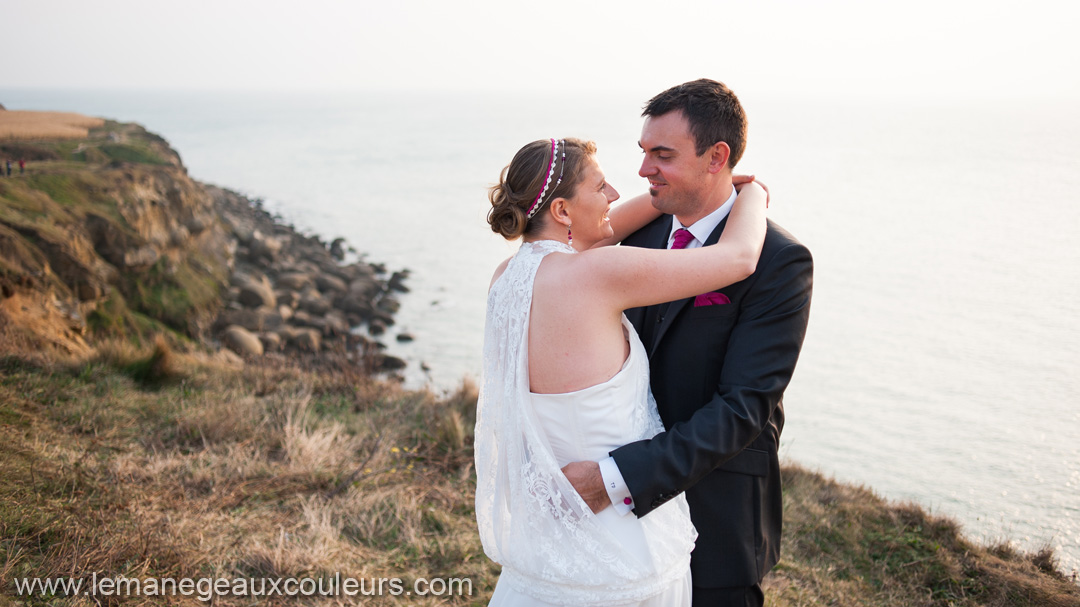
(531, 521)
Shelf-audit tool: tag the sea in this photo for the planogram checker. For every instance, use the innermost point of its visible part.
(942, 361)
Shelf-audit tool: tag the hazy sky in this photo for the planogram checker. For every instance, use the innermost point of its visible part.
(946, 49)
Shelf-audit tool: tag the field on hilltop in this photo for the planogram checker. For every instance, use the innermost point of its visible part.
(18, 124)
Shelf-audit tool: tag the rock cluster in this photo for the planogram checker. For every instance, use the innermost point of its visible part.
(290, 293)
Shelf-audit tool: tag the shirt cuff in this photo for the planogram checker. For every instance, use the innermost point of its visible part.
(616, 486)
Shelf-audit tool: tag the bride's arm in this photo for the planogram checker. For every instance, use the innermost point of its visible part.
(629, 217)
(628, 277)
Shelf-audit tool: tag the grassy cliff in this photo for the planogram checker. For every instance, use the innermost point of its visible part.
(107, 236)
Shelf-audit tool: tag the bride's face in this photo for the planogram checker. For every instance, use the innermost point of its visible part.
(589, 207)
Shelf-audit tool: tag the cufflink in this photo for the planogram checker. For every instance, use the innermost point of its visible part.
(627, 501)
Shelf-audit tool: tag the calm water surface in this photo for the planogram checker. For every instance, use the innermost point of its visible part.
(941, 361)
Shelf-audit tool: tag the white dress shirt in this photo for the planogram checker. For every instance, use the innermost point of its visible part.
(701, 229)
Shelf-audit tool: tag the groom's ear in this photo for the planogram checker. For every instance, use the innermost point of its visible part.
(719, 153)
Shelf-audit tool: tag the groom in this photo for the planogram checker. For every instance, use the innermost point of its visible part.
(720, 362)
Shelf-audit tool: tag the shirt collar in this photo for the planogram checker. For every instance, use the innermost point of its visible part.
(702, 228)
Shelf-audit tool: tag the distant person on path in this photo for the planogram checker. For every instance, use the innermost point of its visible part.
(9, 167)
(22, 166)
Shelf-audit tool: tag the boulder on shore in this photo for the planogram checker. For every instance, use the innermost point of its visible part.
(293, 281)
(242, 341)
(330, 283)
(271, 341)
(256, 295)
(397, 281)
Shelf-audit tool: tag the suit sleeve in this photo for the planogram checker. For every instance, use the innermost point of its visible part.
(761, 354)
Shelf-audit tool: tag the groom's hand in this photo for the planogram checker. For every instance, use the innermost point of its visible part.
(587, 481)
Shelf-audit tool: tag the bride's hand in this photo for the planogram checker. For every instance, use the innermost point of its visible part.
(740, 180)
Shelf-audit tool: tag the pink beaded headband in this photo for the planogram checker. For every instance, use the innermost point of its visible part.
(547, 181)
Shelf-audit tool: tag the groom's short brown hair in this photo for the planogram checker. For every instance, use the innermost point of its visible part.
(713, 111)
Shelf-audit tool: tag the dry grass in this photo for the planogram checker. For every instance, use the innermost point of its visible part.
(26, 125)
(226, 472)
(210, 470)
(845, 546)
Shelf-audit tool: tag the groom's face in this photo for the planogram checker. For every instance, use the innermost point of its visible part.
(675, 172)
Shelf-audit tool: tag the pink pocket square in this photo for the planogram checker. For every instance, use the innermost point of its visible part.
(711, 299)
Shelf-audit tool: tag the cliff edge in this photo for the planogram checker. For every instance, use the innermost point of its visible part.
(107, 237)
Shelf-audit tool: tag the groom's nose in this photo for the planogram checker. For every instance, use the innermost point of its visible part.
(647, 168)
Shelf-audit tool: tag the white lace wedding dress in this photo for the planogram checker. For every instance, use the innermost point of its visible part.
(552, 548)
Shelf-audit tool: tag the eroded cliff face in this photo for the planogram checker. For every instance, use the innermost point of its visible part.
(166, 216)
(93, 237)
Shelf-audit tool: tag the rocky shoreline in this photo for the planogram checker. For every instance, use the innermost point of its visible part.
(290, 293)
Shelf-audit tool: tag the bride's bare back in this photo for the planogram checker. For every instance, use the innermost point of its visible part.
(573, 342)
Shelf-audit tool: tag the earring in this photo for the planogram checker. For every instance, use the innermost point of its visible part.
(569, 235)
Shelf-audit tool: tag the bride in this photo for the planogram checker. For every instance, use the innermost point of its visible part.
(565, 379)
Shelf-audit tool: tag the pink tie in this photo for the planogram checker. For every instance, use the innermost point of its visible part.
(683, 237)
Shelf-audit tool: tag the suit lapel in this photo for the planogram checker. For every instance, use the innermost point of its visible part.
(661, 232)
(656, 238)
(676, 307)
(717, 231)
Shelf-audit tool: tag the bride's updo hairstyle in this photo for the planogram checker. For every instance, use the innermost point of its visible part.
(534, 178)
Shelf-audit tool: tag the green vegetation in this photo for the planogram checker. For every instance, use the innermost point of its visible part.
(173, 297)
(114, 141)
(131, 153)
(61, 188)
(56, 197)
(113, 319)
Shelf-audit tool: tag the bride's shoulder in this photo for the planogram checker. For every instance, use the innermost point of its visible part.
(499, 271)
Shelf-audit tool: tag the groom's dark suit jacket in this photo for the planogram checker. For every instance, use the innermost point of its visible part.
(719, 374)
